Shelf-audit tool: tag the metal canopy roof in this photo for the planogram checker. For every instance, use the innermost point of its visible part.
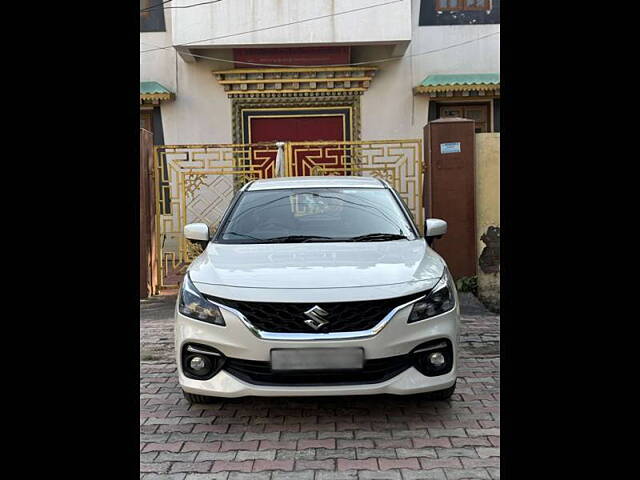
(479, 83)
(154, 92)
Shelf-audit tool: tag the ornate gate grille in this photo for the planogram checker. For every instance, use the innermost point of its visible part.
(195, 183)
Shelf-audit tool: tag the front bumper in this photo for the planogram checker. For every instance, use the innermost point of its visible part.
(396, 338)
(225, 385)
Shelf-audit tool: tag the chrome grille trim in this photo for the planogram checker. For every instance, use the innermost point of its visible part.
(280, 336)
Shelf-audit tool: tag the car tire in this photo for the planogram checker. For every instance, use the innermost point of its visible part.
(441, 394)
(193, 398)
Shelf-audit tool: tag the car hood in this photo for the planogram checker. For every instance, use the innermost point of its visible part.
(357, 270)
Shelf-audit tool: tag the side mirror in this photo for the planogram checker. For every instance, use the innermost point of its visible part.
(197, 233)
(434, 228)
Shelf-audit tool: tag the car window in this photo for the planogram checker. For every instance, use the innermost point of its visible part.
(328, 214)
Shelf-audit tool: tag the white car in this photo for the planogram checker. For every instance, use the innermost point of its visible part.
(316, 286)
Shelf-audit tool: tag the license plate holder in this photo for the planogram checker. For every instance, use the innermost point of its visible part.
(314, 359)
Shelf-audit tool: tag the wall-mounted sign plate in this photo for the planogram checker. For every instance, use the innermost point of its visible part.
(451, 147)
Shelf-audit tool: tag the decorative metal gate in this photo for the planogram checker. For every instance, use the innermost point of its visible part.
(195, 183)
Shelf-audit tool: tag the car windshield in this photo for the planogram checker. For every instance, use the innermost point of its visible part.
(316, 215)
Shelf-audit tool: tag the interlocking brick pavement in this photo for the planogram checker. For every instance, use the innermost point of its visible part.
(381, 437)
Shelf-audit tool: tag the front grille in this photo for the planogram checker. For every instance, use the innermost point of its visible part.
(290, 317)
(374, 371)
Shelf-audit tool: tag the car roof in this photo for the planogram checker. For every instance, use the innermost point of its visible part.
(315, 182)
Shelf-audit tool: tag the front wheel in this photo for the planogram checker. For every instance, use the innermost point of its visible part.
(193, 398)
(441, 394)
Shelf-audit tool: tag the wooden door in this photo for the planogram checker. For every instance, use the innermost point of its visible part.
(146, 120)
(451, 191)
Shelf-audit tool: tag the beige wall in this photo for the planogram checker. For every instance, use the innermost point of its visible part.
(287, 22)
(488, 216)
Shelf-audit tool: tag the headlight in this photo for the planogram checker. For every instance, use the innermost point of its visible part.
(441, 299)
(194, 305)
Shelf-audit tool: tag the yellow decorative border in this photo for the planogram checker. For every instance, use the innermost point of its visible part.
(268, 81)
(299, 90)
(155, 97)
(481, 87)
(313, 101)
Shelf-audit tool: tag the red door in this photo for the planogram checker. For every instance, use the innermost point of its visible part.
(303, 129)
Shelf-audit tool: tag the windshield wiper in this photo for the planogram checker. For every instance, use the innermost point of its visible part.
(296, 238)
(377, 236)
(285, 239)
(245, 236)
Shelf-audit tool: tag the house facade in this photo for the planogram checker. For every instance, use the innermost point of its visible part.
(251, 71)
(354, 69)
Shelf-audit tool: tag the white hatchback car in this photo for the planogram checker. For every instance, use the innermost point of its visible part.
(317, 286)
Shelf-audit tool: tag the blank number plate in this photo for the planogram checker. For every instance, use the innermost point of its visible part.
(291, 359)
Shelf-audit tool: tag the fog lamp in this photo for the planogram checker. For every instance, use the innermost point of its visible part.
(436, 359)
(197, 363)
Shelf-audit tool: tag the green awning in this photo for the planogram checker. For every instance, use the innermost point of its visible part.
(153, 92)
(449, 83)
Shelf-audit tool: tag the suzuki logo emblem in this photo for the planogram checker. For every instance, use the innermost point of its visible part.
(316, 317)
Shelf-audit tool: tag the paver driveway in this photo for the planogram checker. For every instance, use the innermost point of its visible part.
(359, 437)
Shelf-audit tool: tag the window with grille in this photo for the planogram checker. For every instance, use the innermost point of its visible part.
(462, 5)
(479, 113)
(459, 12)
